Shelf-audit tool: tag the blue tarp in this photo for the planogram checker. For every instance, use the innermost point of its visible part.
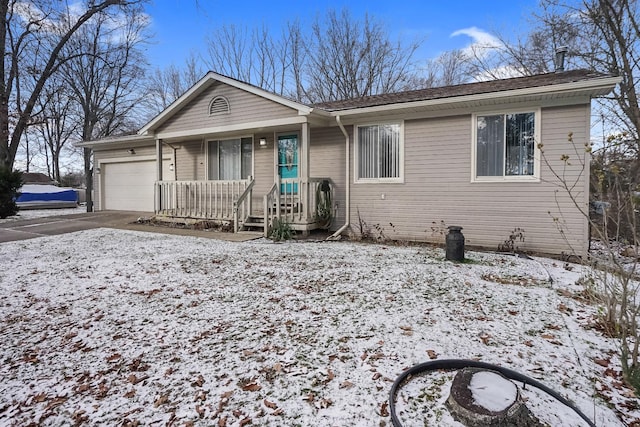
(63, 196)
(42, 196)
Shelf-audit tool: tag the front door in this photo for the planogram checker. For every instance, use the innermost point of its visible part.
(288, 162)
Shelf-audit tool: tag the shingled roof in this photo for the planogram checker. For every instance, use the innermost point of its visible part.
(463, 90)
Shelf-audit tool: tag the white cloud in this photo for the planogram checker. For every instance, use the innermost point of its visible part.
(504, 72)
(59, 18)
(482, 42)
(48, 21)
(481, 47)
(479, 37)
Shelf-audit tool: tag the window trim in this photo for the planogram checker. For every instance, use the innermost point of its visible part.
(356, 153)
(207, 156)
(536, 151)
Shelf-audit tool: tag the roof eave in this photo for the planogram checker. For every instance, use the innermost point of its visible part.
(114, 142)
(595, 87)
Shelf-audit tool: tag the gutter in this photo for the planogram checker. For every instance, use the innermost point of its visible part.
(337, 234)
(117, 142)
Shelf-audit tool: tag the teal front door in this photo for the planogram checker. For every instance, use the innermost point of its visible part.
(288, 162)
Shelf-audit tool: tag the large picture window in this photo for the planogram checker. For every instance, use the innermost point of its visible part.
(505, 145)
(379, 152)
(230, 159)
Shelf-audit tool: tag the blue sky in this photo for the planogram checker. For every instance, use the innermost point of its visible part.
(181, 26)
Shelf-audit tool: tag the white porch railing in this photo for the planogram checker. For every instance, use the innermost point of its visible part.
(292, 200)
(204, 199)
(242, 207)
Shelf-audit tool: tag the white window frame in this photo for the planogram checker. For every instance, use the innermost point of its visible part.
(536, 151)
(240, 137)
(356, 156)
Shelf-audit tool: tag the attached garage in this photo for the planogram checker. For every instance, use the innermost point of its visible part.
(129, 185)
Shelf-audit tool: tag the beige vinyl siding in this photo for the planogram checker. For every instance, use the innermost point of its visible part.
(438, 188)
(263, 169)
(149, 150)
(190, 161)
(327, 160)
(244, 108)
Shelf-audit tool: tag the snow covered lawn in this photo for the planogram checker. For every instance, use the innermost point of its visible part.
(41, 213)
(117, 327)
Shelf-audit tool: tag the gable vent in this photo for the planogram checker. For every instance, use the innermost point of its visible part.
(218, 105)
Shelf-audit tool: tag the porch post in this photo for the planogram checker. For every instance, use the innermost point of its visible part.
(158, 191)
(304, 151)
(305, 197)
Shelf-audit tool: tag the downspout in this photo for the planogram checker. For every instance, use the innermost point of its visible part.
(337, 234)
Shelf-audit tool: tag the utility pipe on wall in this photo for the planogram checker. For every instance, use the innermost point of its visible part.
(347, 183)
(174, 159)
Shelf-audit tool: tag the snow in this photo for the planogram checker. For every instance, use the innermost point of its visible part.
(42, 213)
(492, 391)
(43, 188)
(111, 327)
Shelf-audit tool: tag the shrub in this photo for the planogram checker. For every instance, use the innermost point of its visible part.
(10, 183)
(615, 282)
(281, 231)
(509, 245)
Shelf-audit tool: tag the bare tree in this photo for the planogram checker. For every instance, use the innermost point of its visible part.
(349, 59)
(448, 68)
(614, 47)
(295, 58)
(612, 282)
(525, 54)
(33, 35)
(255, 56)
(340, 57)
(231, 52)
(55, 126)
(166, 85)
(103, 77)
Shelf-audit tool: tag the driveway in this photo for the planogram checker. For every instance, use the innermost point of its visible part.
(54, 225)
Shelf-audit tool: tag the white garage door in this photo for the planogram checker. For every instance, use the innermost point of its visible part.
(129, 186)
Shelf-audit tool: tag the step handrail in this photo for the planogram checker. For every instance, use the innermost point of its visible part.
(272, 195)
(241, 200)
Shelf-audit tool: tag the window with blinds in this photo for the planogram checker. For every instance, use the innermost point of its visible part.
(379, 152)
(505, 145)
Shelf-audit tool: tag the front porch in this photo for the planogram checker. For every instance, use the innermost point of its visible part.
(303, 203)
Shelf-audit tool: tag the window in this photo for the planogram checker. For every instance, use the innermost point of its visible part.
(218, 105)
(230, 159)
(505, 145)
(379, 153)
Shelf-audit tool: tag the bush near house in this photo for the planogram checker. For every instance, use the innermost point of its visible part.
(10, 183)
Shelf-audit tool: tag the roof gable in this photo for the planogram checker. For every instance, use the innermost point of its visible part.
(221, 106)
(205, 83)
